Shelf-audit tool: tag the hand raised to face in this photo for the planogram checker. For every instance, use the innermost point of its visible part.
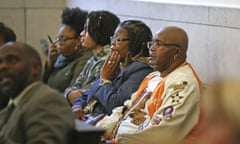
(111, 67)
(52, 54)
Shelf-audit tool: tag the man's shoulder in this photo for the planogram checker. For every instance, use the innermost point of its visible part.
(184, 72)
(182, 77)
(43, 91)
(41, 95)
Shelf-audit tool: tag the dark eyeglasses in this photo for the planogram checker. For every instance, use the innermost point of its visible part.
(63, 39)
(117, 40)
(159, 44)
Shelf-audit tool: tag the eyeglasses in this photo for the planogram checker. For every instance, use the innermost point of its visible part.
(117, 40)
(159, 44)
(63, 39)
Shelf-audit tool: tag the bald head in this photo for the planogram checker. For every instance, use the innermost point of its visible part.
(24, 49)
(168, 50)
(174, 35)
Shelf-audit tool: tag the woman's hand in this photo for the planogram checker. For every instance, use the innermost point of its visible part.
(52, 54)
(106, 139)
(111, 66)
(74, 94)
(79, 112)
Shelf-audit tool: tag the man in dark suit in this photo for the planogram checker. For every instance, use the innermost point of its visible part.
(6, 35)
(36, 113)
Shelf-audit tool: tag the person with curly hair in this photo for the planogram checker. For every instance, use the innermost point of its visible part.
(100, 25)
(66, 55)
(123, 70)
(6, 34)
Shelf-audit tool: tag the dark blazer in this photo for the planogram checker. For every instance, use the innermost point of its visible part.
(41, 116)
(112, 95)
(3, 101)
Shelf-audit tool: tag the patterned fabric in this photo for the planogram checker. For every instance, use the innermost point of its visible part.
(171, 111)
(90, 71)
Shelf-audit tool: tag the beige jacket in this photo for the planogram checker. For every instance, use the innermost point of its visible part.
(177, 114)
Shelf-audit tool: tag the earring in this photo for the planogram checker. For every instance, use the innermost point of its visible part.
(175, 57)
(76, 48)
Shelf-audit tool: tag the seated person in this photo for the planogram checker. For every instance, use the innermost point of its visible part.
(100, 25)
(36, 113)
(66, 56)
(165, 107)
(6, 35)
(124, 69)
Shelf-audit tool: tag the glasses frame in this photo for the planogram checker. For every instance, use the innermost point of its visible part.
(118, 40)
(159, 44)
(63, 39)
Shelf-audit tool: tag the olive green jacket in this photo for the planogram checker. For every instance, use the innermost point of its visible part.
(64, 74)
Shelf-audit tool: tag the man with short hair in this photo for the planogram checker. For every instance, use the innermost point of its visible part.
(165, 107)
(6, 35)
(36, 113)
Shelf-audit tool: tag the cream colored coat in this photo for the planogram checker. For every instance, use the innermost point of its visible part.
(172, 121)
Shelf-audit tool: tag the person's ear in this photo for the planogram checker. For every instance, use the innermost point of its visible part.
(36, 69)
(78, 45)
(178, 53)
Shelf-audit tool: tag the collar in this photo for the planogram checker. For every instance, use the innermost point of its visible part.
(62, 61)
(17, 99)
(104, 51)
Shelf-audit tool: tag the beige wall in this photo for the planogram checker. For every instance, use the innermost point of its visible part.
(214, 48)
(213, 30)
(32, 20)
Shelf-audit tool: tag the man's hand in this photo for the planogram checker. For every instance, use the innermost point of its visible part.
(52, 54)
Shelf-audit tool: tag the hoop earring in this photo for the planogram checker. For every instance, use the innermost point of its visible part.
(175, 57)
(76, 48)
